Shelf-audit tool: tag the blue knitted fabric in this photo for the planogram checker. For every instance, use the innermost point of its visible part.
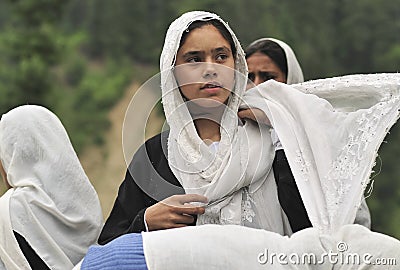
(124, 252)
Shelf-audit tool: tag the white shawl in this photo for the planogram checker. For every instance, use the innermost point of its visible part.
(333, 154)
(239, 192)
(51, 203)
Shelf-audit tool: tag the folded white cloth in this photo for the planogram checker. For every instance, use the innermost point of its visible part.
(237, 247)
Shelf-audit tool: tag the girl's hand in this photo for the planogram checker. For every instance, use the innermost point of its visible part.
(174, 212)
(255, 115)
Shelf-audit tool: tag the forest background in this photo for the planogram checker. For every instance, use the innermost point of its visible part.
(85, 59)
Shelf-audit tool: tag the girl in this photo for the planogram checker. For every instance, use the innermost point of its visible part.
(204, 157)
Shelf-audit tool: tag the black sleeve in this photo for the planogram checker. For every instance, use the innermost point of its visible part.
(148, 180)
(35, 262)
(288, 193)
(127, 214)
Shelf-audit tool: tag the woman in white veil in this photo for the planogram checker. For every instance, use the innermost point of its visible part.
(270, 58)
(207, 150)
(50, 214)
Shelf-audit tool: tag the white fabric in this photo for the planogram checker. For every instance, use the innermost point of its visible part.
(239, 192)
(294, 75)
(78, 266)
(238, 247)
(11, 256)
(52, 203)
(331, 152)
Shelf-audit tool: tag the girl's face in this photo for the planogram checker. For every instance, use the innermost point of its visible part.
(205, 67)
(262, 68)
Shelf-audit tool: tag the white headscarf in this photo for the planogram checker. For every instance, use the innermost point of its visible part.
(239, 191)
(51, 203)
(294, 72)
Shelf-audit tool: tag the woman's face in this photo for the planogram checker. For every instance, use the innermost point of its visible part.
(205, 66)
(262, 68)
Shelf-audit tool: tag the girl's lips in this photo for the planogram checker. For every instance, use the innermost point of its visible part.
(211, 87)
(212, 90)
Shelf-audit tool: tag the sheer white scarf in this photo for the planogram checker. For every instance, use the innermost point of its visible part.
(239, 192)
(51, 203)
(333, 142)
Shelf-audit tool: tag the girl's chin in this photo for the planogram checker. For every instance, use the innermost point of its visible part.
(209, 102)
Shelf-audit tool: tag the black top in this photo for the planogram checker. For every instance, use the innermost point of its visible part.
(149, 180)
(288, 193)
(35, 262)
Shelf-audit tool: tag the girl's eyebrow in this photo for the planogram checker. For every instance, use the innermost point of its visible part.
(192, 53)
(221, 49)
(216, 50)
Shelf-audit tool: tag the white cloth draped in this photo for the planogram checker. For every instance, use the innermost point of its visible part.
(51, 203)
(11, 255)
(333, 154)
(294, 75)
(237, 247)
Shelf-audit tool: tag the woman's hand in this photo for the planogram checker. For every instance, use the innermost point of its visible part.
(255, 115)
(174, 212)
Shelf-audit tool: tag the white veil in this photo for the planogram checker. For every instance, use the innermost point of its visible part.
(51, 203)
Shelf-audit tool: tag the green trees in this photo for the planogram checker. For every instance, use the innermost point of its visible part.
(29, 49)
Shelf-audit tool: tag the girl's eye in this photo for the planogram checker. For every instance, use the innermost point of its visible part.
(251, 78)
(222, 57)
(265, 76)
(194, 60)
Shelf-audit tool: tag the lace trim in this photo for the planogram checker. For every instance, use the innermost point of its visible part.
(247, 207)
(211, 216)
(347, 165)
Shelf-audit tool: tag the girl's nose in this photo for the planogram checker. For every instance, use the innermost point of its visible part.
(209, 70)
